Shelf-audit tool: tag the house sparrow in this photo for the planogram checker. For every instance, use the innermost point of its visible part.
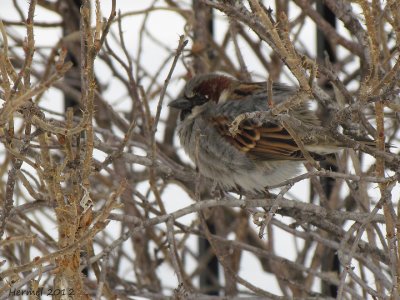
(259, 155)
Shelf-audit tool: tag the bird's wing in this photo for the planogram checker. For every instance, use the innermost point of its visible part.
(268, 141)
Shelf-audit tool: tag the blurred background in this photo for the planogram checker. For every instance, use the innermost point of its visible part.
(98, 199)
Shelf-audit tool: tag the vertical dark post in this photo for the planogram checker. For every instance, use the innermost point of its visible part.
(323, 45)
(70, 10)
(201, 63)
(203, 31)
(210, 274)
(330, 262)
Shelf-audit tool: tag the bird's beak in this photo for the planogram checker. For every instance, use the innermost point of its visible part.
(180, 103)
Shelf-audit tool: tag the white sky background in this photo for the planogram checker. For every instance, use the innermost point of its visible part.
(167, 27)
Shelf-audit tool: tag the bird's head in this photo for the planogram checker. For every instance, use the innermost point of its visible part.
(200, 90)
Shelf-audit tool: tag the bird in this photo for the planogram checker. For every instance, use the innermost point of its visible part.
(258, 155)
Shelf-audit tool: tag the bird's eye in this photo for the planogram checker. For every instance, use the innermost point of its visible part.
(197, 98)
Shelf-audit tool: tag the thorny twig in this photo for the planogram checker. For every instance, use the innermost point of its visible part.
(55, 165)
